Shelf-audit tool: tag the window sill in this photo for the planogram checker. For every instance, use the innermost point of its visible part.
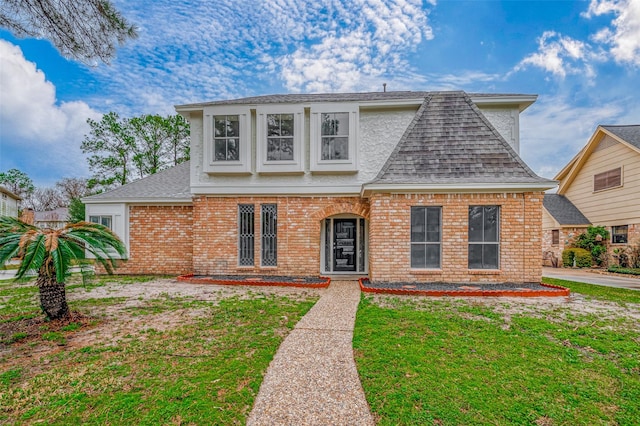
(485, 271)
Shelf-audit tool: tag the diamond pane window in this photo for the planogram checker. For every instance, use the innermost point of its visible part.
(246, 234)
(269, 234)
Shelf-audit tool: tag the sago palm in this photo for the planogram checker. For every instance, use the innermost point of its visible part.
(49, 253)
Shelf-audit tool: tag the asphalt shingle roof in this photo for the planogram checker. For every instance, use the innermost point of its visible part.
(630, 134)
(332, 97)
(563, 210)
(172, 183)
(451, 142)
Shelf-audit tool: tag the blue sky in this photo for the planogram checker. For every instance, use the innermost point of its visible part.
(581, 57)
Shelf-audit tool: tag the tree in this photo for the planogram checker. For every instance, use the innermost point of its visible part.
(72, 188)
(112, 147)
(51, 253)
(86, 30)
(17, 182)
(126, 149)
(76, 210)
(594, 240)
(43, 199)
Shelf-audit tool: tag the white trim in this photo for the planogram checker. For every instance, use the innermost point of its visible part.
(368, 189)
(140, 201)
(290, 166)
(292, 190)
(243, 165)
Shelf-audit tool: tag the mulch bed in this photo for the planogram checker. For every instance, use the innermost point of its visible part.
(262, 280)
(464, 289)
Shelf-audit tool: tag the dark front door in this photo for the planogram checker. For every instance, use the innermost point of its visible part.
(344, 245)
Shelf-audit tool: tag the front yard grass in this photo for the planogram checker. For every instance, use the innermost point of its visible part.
(164, 360)
(452, 361)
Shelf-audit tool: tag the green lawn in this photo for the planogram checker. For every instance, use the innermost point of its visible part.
(468, 362)
(204, 369)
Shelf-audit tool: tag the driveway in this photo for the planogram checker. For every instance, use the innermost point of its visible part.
(592, 278)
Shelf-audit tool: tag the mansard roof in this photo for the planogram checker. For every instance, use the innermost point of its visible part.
(451, 142)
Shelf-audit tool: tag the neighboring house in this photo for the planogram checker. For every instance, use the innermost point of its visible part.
(599, 186)
(9, 202)
(54, 219)
(402, 186)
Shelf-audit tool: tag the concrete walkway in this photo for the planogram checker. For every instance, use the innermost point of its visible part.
(581, 276)
(312, 379)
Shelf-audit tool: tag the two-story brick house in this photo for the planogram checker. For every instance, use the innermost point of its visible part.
(400, 186)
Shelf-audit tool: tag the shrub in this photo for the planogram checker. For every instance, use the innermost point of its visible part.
(594, 240)
(579, 256)
(621, 270)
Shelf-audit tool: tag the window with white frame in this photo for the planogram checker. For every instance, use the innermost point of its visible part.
(102, 220)
(619, 234)
(426, 237)
(226, 138)
(484, 237)
(334, 137)
(279, 135)
(227, 147)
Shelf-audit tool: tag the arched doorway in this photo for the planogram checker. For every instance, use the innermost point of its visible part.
(344, 245)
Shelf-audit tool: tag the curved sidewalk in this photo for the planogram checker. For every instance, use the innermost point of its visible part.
(312, 379)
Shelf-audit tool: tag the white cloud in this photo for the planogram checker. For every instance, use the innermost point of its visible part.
(560, 55)
(623, 37)
(31, 118)
(554, 129)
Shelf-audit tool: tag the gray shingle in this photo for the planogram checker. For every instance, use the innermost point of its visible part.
(169, 184)
(630, 134)
(451, 142)
(563, 210)
(330, 97)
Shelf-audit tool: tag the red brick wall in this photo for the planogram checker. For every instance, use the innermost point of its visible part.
(160, 240)
(215, 222)
(520, 237)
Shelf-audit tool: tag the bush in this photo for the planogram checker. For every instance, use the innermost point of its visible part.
(594, 240)
(621, 270)
(579, 256)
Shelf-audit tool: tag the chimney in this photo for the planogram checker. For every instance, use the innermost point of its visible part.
(384, 87)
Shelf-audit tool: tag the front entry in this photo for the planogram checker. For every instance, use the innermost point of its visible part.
(344, 245)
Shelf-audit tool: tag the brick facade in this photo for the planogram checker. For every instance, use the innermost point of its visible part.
(299, 223)
(203, 239)
(565, 240)
(161, 240)
(520, 242)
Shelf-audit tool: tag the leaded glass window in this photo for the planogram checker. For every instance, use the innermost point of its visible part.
(269, 234)
(246, 234)
(484, 237)
(335, 136)
(226, 138)
(280, 137)
(426, 237)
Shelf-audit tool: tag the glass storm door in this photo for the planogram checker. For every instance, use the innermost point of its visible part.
(344, 245)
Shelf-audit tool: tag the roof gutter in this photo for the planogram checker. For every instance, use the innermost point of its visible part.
(468, 188)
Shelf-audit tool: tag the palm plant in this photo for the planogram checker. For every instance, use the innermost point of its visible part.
(49, 253)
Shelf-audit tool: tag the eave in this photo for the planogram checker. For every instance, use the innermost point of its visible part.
(467, 188)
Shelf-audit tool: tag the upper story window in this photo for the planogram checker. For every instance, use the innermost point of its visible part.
(608, 179)
(227, 143)
(334, 137)
(280, 143)
(226, 133)
(279, 136)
